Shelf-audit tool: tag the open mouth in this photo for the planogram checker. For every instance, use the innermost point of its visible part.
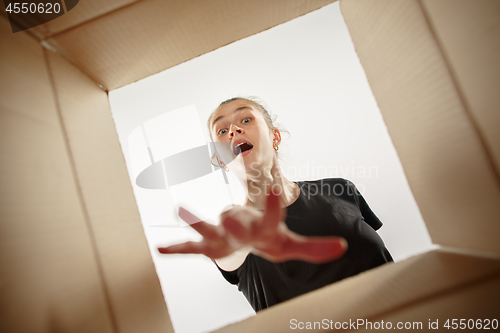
(242, 147)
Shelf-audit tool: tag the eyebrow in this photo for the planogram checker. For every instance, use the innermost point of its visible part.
(241, 108)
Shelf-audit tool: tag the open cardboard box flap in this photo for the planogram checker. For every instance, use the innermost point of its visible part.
(384, 291)
(118, 42)
(433, 69)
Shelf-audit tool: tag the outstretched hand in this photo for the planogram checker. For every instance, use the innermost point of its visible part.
(264, 233)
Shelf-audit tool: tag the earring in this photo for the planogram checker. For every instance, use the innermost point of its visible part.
(276, 147)
(222, 165)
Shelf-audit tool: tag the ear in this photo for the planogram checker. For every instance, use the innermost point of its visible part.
(276, 136)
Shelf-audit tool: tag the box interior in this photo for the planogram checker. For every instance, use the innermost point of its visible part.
(66, 197)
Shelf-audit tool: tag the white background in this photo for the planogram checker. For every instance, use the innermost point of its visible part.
(309, 75)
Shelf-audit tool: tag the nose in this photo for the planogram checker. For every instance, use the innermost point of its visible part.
(234, 129)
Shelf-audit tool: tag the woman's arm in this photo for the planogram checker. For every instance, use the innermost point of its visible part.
(262, 233)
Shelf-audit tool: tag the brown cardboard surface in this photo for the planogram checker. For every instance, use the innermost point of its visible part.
(469, 34)
(49, 279)
(478, 301)
(128, 270)
(72, 246)
(376, 292)
(32, 32)
(85, 11)
(150, 36)
(439, 147)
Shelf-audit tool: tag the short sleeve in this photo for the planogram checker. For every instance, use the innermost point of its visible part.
(231, 277)
(368, 215)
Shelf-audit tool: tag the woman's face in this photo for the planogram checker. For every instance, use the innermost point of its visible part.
(242, 126)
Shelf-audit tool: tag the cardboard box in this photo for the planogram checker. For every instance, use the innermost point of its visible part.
(67, 206)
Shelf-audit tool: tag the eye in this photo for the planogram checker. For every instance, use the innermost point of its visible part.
(222, 131)
(246, 120)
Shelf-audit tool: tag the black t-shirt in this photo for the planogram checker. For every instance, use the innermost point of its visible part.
(326, 207)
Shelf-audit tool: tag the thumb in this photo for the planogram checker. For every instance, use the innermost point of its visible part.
(273, 214)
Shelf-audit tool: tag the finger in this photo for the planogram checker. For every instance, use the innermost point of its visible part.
(316, 249)
(236, 229)
(273, 214)
(187, 247)
(205, 229)
(195, 248)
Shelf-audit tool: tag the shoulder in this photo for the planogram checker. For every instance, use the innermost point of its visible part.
(339, 187)
(324, 180)
(328, 181)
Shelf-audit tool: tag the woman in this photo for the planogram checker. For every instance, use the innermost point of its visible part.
(289, 237)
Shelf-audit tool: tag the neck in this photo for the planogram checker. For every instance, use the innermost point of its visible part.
(260, 185)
